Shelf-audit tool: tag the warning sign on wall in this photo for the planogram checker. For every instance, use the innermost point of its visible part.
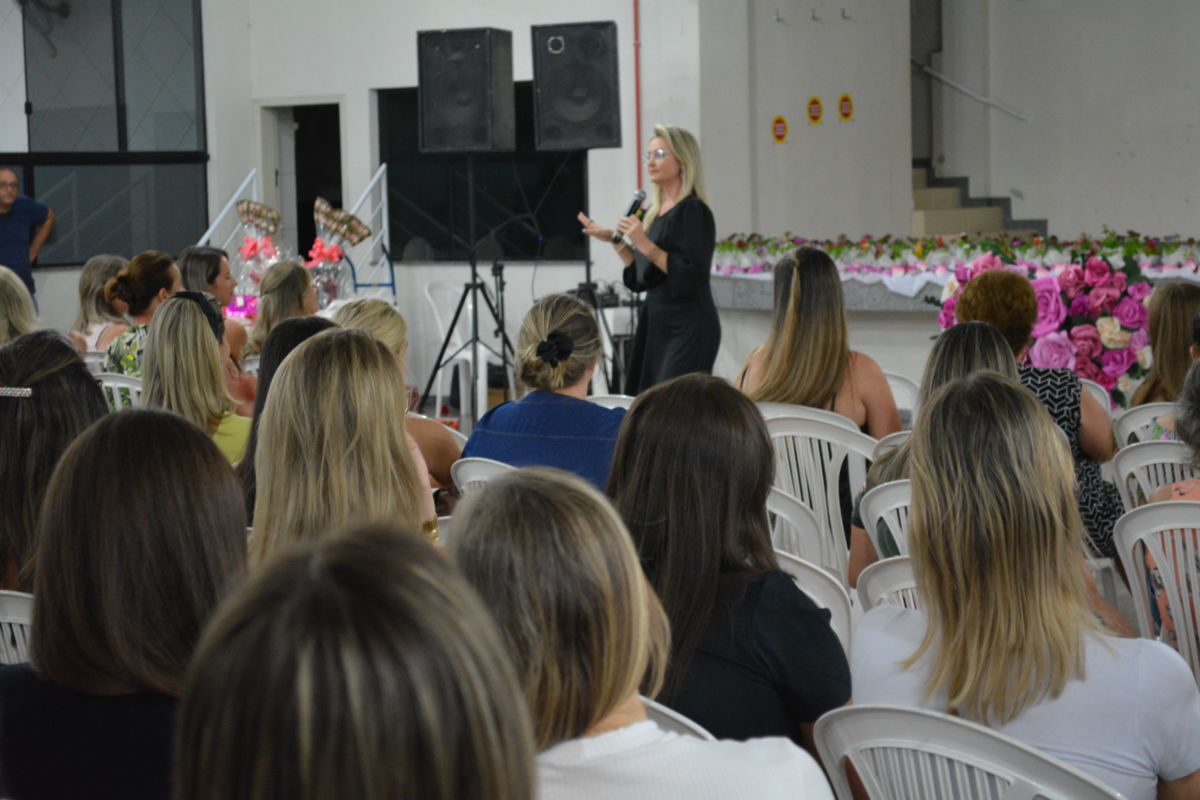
(779, 129)
(815, 110)
(846, 107)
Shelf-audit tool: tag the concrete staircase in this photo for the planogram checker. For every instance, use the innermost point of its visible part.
(944, 206)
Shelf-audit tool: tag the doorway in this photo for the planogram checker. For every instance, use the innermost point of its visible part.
(302, 146)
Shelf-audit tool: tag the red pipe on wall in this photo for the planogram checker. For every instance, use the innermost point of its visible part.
(637, 91)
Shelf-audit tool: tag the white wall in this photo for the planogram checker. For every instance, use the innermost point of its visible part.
(14, 133)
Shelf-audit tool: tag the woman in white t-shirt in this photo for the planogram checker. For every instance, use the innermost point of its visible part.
(555, 564)
(1005, 636)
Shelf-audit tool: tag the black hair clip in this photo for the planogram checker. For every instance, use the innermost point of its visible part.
(557, 347)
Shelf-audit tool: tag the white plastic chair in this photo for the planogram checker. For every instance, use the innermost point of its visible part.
(94, 360)
(905, 392)
(776, 410)
(16, 613)
(1099, 393)
(121, 391)
(908, 753)
(1134, 425)
(887, 503)
(671, 720)
(825, 589)
(889, 443)
(888, 581)
(443, 298)
(1170, 533)
(444, 527)
(470, 474)
(795, 528)
(809, 454)
(1140, 469)
(459, 437)
(612, 400)
(250, 365)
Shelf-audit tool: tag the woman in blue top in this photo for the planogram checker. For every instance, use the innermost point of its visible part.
(554, 425)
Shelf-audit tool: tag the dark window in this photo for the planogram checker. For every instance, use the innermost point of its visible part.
(525, 201)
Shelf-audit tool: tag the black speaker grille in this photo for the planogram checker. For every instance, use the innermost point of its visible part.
(577, 101)
(466, 95)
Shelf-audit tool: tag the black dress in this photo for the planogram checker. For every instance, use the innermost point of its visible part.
(678, 329)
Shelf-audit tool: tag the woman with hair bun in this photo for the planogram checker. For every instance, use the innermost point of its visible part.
(144, 284)
(554, 425)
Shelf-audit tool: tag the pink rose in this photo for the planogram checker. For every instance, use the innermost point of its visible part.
(946, 317)
(986, 262)
(1109, 382)
(1086, 367)
(1117, 362)
(1053, 351)
(1130, 313)
(1139, 290)
(1096, 272)
(1119, 281)
(1079, 308)
(1087, 341)
(1070, 280)
(1051, 311)
(963, 273)
(1102, 299)
(1140, 339)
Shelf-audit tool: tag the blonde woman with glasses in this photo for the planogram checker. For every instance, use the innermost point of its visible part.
(556, 566)
(1005, 636)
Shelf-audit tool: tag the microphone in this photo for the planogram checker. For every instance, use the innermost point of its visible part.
(635, 209)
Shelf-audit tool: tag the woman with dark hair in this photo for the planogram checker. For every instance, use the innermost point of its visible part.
(134, 554)
(206, 270)
(47, 398)
(751, 655)
(1172, 313)
(144, 284)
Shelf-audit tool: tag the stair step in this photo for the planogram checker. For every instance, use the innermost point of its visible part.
(920, 177)
(936, 197)
(952, 221)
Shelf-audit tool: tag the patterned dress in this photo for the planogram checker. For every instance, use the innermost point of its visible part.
(124, 353)
(1099, 502)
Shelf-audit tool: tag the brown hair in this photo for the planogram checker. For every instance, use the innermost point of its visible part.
(1173, 306)
(559, 341)
(93, 308)
(140, 281)
(1003, 299)
(281, 296)
(133, 554)
(694, 534)
(200, 266)
(359, 666)
(64, 400)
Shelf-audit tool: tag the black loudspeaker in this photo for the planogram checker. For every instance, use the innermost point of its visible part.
(576, 89)
(465, 94)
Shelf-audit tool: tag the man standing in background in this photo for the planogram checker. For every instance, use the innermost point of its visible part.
(25, 225)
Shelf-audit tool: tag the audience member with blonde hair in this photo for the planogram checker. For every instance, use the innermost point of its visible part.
(134, 554)
(286, 291)
(554, 425)
(807, 360)
(357, 666)
(751, 655)
(329, 452)
(17, 314)
(380, 319)
(182, 369)
(95, 313)
(47, 398)
(1173, 307)
(554, 563)
(144, 284)
(1005, 635)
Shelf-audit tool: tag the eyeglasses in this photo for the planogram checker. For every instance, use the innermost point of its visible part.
(9, 185)
(657, 155)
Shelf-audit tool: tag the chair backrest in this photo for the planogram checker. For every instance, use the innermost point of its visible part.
(902, 753)
(250, 365)
(470, 474)
(671, 720)
(888, 581)
(442, 298)
(1098, 392)
(445, 524)
(16, 613)
(93, 360)
(809, 456)
(1159, 544)
(458, 436)
(1134, 425)
(905, 392)
(773, 410)
(121, 391)
(886, 507)
(1140, 469)
(825, 589)
(612, 400)
(890, 442)
(795, 529)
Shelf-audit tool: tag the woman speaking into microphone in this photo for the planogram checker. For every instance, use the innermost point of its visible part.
(669, 256)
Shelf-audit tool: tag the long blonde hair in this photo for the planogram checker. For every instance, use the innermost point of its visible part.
(17, 315)
(686, 149)
(378, 318)
(996, 539)
(332, 450)
(1172, 308)
(555, 564)
(280, 297)
(808, 352)
(549, 320)
(182, 366)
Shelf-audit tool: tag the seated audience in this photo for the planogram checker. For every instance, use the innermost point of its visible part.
(47, 398)
(554, 563)
(385, 323)
(286, 291)
(373, 647)
(554, 425)
(1005, 636)
(286, 337)
(17, 314)
(751, 655)
(182, 369)
(1006, 300)
(206, 270)
(329, 451)
(133, 556)
(144, 284)
(95, 313)
(807, 360)
(1173, 307)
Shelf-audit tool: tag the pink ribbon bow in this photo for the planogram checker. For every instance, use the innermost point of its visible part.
(321, 252)
(252, 248)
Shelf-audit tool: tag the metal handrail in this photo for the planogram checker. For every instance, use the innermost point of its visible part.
(987, 101)
(251, 180)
